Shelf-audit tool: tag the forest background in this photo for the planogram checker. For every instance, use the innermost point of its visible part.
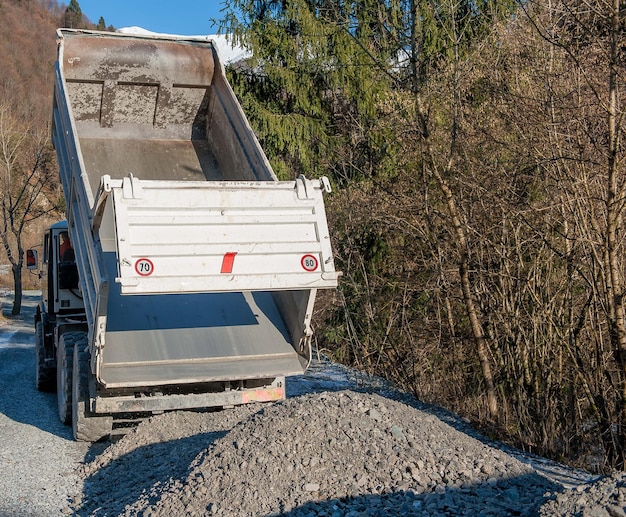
(475, 148)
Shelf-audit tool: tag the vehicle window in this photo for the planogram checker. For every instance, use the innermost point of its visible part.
(66, 251)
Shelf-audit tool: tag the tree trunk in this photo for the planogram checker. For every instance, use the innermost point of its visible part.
(614, 218)
(17, 283)
(482, 348)
(458, 231)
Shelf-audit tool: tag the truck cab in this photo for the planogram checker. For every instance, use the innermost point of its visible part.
(62, 293)
(61, 298)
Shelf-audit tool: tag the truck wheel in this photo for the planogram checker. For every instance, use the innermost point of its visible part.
(87, 427)
(65, 360)
(44, 375)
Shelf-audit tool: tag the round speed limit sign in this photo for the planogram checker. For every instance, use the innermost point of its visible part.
(309, 263)
(144, 267)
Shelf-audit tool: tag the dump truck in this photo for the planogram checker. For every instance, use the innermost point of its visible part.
(185, 273)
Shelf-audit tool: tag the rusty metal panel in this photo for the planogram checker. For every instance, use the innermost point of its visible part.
(134, 59)
(232, 397)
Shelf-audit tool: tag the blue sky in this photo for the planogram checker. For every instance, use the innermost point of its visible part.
(184, 17)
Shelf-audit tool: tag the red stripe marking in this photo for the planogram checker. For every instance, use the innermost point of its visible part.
(227, 262)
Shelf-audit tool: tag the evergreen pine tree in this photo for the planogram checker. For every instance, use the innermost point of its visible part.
(307, 79)
(321, 70)
(73, 15)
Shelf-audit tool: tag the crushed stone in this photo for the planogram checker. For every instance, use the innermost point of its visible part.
(330, 453)
(605, 497)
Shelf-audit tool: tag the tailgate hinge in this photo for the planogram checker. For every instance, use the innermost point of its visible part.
(131, 187)
(304, 187)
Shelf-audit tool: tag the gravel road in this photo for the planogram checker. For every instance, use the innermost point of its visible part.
(39, 459)
(331, 449)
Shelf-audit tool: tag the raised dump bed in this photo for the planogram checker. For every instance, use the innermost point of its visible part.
(198, 269)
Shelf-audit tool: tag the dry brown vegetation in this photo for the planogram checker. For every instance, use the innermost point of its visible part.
(517, 144)
(29, 184)
(29, 191)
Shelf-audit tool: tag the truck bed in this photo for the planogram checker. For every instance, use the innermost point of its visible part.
(181, 339)
(152, 159)
(197, 265)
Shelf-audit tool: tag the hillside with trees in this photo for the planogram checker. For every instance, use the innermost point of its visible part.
(30, 192)
(476, 151)
(478, 167)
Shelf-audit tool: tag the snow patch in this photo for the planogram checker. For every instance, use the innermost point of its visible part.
(228, 51)
(5, 338)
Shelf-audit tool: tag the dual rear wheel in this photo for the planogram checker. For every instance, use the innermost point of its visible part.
(44, 374)
(73, 389)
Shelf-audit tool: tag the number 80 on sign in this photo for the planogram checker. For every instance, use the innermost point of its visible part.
(309, 263)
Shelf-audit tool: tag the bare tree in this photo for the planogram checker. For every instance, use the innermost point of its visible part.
(26, 178)
(570, 120)
(454, 24)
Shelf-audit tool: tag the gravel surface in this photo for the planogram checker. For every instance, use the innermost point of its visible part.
(317, 454)
(38, 457)
(603, 498)
(331, 449)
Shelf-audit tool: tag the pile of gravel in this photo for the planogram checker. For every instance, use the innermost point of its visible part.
(150, 456)
(604, 498)
(323, 454)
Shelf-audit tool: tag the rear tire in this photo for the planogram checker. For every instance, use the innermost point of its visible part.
(44, 375)
(65, 362)
(86, 426)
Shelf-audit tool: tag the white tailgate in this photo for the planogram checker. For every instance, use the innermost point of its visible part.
(221, 236)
